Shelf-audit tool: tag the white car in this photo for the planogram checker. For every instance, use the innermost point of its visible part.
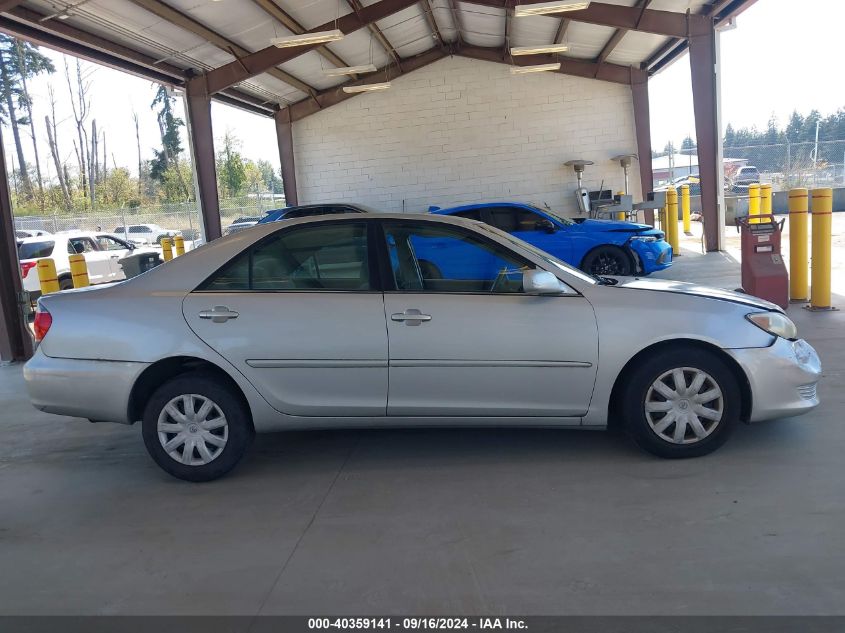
(144, 233)
(102, 253)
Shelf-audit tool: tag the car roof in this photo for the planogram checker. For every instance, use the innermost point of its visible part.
(482, 205)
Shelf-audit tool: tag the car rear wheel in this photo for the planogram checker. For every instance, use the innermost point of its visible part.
(196, 427)
(607, 260)
(681, 403)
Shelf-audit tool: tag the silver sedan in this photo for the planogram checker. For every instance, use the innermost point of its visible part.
(407, 320)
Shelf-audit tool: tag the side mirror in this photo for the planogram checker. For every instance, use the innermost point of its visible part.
(540, 282)
(545, 225)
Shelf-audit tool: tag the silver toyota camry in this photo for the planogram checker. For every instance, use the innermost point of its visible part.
(407, 320)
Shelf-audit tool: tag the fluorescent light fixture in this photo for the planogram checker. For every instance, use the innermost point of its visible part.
(349, 70)
(543, 8)
(366, 88)
(542, 48)
(307, 39)
(537, 68)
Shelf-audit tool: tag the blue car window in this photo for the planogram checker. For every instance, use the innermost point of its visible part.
(434, 258)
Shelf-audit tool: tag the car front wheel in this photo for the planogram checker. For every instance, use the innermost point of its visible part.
(681, 403)
(196, 427)
(607, 260)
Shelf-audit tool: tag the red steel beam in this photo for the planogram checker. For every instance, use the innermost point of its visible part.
(258, 62)
(201, 136)
(702, 69)
(568, 66)
(667, 23)
(284, 136)
(642, 129)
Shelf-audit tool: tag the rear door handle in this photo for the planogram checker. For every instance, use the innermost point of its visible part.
(411, 316)
(219, 314)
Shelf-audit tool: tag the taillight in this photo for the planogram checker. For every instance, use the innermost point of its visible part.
(41, 324)
(26, 267)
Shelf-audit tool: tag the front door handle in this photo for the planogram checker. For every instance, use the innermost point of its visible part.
(411, 316)
(219, 314)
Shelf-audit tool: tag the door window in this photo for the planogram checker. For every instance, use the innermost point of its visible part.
(471, 214)
(438, 258)
(517, 220)
(322, 257)
(107, 243)
(80, 245)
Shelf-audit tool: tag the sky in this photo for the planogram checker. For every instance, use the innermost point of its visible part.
(776, 60)
(783, 55)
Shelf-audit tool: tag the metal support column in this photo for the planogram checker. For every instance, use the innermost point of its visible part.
(702, 57)
(15, 340)
(642, 128)
(201, 136)
(284, 134)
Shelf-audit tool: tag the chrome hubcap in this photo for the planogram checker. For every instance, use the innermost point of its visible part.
(192, 429)
(684, 405)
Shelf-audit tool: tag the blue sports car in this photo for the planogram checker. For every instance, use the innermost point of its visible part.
(600, 247)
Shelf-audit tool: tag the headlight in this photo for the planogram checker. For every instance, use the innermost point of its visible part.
(774, 323)
(645, 238)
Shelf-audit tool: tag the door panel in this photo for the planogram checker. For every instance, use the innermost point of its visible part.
(307, 353)
(492, 355)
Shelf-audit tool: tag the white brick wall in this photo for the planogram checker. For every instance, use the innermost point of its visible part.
(463, 130)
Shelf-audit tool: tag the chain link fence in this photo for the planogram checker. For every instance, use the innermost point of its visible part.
(783, 165)
(184, 217)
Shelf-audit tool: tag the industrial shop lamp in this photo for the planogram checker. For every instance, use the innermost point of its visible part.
(366, 88)
(307, 39)
(536, 68)
(540, 49)
(350, 70)
(544, 8)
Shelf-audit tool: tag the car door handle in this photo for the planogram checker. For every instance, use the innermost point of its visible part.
(219, 314)
(411, 316)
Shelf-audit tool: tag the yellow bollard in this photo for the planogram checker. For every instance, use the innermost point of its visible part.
(799, 262)
(672, 220)
(821, 206)
(179, 243)
(753, 203)
(685, 209)
(47, 277)
(79, 271)
(166, 250)
(765, 199)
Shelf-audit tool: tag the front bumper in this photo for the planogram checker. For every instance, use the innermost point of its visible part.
(782, 376)
(94, 389)
(652, 256)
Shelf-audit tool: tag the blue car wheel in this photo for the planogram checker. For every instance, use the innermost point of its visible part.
(608, 260)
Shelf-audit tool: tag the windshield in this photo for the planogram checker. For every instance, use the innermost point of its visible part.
(550, 259)
(553, 214)
(34, 250)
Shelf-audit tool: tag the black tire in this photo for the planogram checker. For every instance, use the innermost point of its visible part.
(638, 386)
(65, 283)
(608, 260)
(238, 433)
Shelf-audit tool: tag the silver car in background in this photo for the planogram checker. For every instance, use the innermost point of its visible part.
(407, 320)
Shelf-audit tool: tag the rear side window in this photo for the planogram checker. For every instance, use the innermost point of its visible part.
(472, 214)
(34, 250)
(325, 257)
(138, 229)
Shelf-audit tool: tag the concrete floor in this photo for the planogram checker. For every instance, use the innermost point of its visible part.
(432, 522)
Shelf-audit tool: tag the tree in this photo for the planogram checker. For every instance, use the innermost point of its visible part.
(688, 145)
(272, 181)
(53, 139)
(231, 172)
(78, 88)
(171, 145)
(18, 62)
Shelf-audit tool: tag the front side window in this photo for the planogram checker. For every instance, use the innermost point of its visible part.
(439, 258)
(80, 245)
(517, 220)
(138, 229)
(322, 257)
(107, 243)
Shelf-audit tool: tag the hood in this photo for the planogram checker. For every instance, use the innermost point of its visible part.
(684, 288)
(614, 226)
